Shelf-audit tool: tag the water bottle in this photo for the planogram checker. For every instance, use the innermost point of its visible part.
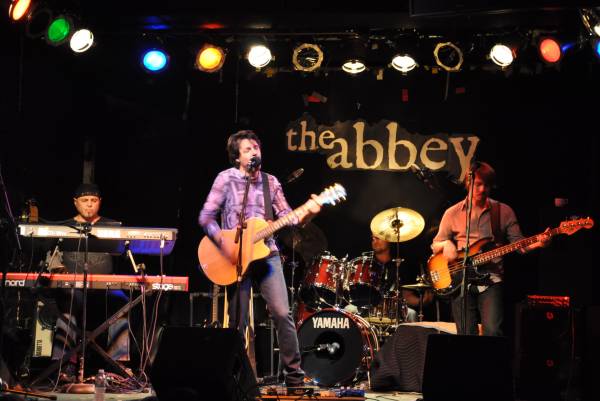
(100, 385)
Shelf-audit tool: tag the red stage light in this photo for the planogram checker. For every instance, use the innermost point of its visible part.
(550, 50)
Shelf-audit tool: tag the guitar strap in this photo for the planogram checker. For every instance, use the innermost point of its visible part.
(495, 218)
(267, 195)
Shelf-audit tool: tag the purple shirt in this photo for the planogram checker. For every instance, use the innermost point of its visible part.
(226, 196)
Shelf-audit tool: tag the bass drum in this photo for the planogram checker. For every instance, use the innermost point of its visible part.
(337, 347)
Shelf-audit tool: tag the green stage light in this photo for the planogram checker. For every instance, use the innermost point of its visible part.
(59, 30)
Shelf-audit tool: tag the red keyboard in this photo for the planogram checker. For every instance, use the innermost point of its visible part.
(97, 281)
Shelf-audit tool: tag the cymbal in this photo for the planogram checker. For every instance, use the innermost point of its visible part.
(308, 240)
(416, 286)
(397, 224)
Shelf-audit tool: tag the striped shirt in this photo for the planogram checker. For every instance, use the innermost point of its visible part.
(225, 201)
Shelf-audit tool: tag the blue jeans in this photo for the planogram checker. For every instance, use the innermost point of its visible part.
(488, 304)
(268, 273)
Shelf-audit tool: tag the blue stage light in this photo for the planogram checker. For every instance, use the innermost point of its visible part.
(155, 60)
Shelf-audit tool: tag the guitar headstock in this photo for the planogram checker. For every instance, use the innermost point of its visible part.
(332, 195)
(572, 226)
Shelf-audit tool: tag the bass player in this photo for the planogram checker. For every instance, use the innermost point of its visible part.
(489, 219)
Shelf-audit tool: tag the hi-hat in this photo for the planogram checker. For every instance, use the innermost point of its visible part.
(397, 224)
(416, 286)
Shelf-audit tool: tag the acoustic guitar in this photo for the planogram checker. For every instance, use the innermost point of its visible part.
(446, 278)
(221, 270)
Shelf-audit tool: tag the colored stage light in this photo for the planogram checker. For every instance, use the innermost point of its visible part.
(155, 60)
(81, 40)
(596, 47)
(19, 9)
(550, 50)
(259, 56)
(404, 63)
(502, 55)
(210, 58)
(307, 57)
(58, 30)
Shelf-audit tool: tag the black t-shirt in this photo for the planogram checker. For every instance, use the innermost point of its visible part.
(98, 262)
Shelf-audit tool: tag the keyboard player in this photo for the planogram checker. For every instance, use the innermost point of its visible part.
(87, 201)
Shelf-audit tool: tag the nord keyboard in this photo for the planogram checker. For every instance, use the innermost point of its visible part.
(142, 240)
(97, 281)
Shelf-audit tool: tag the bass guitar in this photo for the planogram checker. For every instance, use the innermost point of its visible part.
(221, 270)
(445, 278)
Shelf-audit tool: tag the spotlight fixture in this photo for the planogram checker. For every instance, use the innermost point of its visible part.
(502, 55)
(58, 30)
(155, 60)
(448, 56)
(307, 57)
(404, 63)
(210, 58)
(596, 47)
(259, 56)
(18, 9)
(550, 50)
(591, 21)
(354, 66)
(81, 40)
(38, 22)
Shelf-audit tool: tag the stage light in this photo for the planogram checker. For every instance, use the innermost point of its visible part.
(404, 63)
(550, 50)
(259, 56)
(591, 21)
(354, 66)
(307, 57)
(59, 30)
(210, 58)
(37, 23)
(596, 47)
(448, 56)
(502, 55)
(155, 60)
(81, 40)
(19, 9)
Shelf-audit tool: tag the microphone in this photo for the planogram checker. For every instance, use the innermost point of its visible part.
(254, 163)
(332, 348)
(422, 174)
(294, 176)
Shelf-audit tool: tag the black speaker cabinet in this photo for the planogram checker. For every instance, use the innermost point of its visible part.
(194, 363)
(543, 351)
(467, 368)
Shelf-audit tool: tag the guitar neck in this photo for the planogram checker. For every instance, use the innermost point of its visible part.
(287, 220)
(488, 256)
(215, 304)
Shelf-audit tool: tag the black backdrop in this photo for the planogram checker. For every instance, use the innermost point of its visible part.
(160, 140)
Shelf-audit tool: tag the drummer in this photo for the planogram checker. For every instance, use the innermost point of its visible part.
(382, 257)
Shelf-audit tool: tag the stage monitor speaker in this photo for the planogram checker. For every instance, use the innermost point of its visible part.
(194, 364)
(543, 349)
(467, 368)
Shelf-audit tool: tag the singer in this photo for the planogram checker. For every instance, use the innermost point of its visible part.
(265, 196)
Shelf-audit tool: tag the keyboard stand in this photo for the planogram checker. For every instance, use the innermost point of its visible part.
(90, 341)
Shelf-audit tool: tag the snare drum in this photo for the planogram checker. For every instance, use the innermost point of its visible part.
(363, 281)
(337, 347)
(319, 286)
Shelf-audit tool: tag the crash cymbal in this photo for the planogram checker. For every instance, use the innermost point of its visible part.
(416, 286)
(397, 224)
(308, 240)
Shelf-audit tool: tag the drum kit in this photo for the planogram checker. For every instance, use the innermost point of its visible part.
(345, 311)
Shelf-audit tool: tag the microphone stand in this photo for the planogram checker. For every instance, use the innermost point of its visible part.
(80, 387)
(465, 262)
(239, 234)
(397, 225)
